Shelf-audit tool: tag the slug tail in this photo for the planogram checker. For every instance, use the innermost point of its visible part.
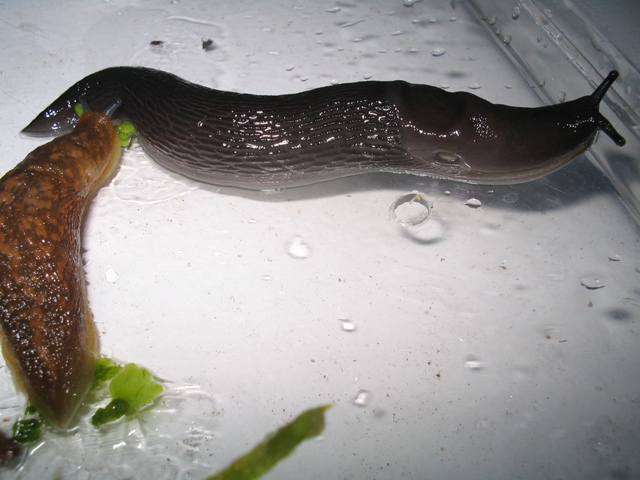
(603, 123)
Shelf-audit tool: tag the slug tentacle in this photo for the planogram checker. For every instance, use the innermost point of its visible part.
(262, 142)
(48, 336)
(604, 124)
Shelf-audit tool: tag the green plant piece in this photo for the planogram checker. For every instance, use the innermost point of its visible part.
(112, 412)
(135, 385)
(78, 109)
(30, 410)
(27, 430)
(275, 447)
(125, 131)
(132, 388)
(105, 370)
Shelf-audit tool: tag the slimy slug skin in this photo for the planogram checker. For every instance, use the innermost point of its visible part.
(48, 337)
(262, 142)
(242, 140)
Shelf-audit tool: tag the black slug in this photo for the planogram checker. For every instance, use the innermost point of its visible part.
(262, 142)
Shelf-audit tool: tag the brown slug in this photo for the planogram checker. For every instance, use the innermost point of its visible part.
(48, 337)
(263, 142)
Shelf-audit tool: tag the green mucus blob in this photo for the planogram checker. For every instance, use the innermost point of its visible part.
(125, 131)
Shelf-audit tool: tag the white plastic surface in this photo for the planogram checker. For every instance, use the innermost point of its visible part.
(471, 343)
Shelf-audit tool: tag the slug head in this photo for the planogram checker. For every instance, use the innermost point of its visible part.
(96, 92)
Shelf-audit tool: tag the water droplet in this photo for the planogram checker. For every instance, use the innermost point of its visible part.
(472, 363)
(410, 3)
(593, 282)
(298, 249)
(562, 96)
(362, 398)
(473, 203)
(438, 52)
(251, 221)
(615, 257)
(347, 325)
(111, 276)
(333, 9)
(411, 209)
(396, 33)
(367, 76)
(516, 13)
(453, 19)
(267, 278)
(511, 197)
(288, 67)
(506, 40)
(475, 86)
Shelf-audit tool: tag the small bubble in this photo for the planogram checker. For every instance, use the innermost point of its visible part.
(615, 257)
(411, 209)
(453, 19)
(438, 52)
(473, 203)
(288, 67)
(593, 282)
(298, 249)
(347, 325)
(511, 197)
(333, 9)
(516, 13)
(396, 33)
(472, 363)
(562, 96)
(267, 278)
(410, 3)
(367, 76)
(475, 86)
(111, 276)
(362, 398)
(251, 221)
